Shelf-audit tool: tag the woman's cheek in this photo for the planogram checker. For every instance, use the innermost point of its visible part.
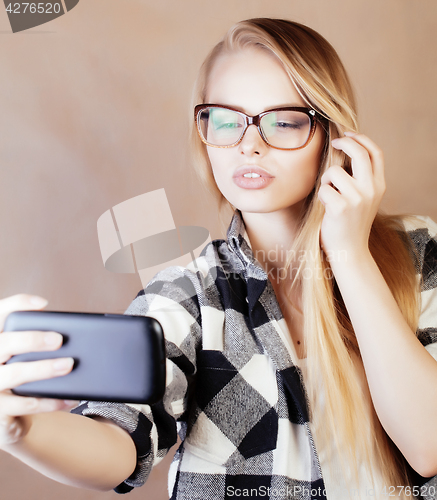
(221, 171)
(225, 185)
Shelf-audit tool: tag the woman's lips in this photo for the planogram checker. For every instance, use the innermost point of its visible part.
(256, 182)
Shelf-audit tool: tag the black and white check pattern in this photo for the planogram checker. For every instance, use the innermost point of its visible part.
(233, 392)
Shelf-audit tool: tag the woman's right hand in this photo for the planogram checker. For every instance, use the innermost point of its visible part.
(14, 409)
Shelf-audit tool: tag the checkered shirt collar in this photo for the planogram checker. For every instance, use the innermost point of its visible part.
(239, 243)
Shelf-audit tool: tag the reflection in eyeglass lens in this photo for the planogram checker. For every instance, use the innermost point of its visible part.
(288, 129)
(224, 126)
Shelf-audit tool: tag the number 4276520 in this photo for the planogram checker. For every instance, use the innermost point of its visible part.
(34, 8)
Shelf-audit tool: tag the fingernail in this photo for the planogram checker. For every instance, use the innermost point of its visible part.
(349, 133)
(32, 403)
(64, 364)
(70, 404)
(14, 432)
(334, 141)
(52, 338)
(38, 301)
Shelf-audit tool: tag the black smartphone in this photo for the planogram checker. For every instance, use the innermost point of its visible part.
(117, 358)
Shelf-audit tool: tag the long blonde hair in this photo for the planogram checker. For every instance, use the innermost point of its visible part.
(332, 350)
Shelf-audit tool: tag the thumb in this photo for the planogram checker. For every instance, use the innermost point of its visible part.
(20, 302)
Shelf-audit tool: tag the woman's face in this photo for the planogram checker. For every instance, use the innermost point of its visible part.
(252, 81)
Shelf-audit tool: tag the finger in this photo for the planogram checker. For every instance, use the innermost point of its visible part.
(361, 164)
(20, 302)
(15, 374)
(331, 199)
(340, 180)
(19, 405)
(12, 343)
(375, 153)
(11, 429)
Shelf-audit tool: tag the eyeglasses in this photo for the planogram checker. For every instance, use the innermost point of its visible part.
(281, 128)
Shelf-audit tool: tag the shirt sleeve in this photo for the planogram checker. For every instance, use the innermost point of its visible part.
(423, 234)
(171, 297)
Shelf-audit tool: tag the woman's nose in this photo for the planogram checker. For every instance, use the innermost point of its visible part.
(252, 142)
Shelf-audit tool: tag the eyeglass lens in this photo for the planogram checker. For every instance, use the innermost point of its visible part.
(286, 129)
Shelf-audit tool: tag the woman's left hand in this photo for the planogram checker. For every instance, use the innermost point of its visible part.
(351, 208)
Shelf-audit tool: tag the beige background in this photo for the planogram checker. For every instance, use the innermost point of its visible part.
(94, 111)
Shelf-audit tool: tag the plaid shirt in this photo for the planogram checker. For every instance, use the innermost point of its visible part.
(233, 393)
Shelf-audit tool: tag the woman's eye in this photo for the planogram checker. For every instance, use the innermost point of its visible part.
(229, 125)
(288, 125)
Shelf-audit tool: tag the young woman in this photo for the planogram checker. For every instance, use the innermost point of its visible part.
(299, 352)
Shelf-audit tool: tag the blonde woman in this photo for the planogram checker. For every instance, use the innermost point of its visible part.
(301, 347)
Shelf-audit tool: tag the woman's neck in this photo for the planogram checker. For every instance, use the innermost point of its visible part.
(271, 236)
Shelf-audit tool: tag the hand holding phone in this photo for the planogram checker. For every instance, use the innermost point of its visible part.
(12, 407)
(96, 357)
(116, 357)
